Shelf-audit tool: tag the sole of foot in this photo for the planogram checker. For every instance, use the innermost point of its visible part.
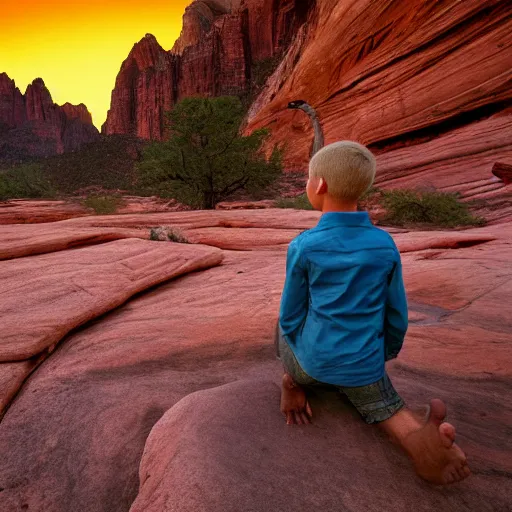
(436, 457)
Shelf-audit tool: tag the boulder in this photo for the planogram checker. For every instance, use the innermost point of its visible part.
(228, 449)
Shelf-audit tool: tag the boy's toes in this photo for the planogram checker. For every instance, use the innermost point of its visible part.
(461, 473)
(306, 419)
(455, 472)
(437, 412)
(463, 469)
(449, 477)
(447, 434)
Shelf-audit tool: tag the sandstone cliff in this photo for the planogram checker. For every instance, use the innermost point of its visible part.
(33, 125)
(395, 74)
(220, 42)
(145, 88)
(412, 80)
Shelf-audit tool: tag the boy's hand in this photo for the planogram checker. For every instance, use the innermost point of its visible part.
(294, 404)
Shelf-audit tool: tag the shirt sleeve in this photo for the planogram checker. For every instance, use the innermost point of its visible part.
(396, 319)
(294, 301)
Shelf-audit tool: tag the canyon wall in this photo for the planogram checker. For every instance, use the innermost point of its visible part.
(411, 80)
(219, 45)
(32, 125)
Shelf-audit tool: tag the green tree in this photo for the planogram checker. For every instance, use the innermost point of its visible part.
(205, 158)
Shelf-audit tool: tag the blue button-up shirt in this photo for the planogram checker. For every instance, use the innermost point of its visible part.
(344, 309)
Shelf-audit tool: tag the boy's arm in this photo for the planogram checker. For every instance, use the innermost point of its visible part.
(396, 319)
(294, 301)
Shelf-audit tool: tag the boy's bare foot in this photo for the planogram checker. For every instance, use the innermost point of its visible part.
(436, 457)
(294, 404)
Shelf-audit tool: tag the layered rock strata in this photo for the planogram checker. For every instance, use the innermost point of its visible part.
(220, 43)
(416, 81)
(33, 125)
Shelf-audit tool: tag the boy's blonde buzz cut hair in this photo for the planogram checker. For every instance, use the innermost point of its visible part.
(347, 167)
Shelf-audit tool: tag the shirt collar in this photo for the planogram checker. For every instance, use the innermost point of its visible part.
(331, 219)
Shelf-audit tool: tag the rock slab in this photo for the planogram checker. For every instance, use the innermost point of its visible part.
(228, 449)
(61, 291)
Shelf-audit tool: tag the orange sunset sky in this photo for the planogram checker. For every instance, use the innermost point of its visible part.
(77, 46)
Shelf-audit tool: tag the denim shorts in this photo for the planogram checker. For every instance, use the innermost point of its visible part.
(375, 402)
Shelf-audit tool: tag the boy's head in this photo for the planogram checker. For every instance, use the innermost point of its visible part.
(342, 172)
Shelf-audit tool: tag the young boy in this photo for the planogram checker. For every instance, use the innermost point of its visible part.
(344, 313)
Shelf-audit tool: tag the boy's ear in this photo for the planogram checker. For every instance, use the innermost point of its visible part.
(321, 187)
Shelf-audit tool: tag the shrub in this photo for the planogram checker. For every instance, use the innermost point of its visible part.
(206, 160)
(370, 194)
(298, 203)
(163, 233)
(107, 163)
(431, 208)
(25, 181)
(103, 204)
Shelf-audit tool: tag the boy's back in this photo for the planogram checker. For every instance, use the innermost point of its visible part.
(351, 274)
(344, 313)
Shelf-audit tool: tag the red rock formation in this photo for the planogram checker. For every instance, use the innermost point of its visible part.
(387, 75)
(145, 88)
(86, 413)
(45, 117)
(33, 125)
(220, 41)
(384, 75)
(12, 106)
(503, 172)
(77, 112)
(161, 263)
(364, 63)
(218, 64)
(198, 20)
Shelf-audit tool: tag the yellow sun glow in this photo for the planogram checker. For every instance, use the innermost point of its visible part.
(77, 47)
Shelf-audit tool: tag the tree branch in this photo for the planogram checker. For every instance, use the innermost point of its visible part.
(235, 187)
(220, 153)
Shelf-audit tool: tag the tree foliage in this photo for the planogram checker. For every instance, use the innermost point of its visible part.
(205, 158)
(25, 181)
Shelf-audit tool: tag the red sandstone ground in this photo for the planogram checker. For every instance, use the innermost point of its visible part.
(106, 337)
(75, 430)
